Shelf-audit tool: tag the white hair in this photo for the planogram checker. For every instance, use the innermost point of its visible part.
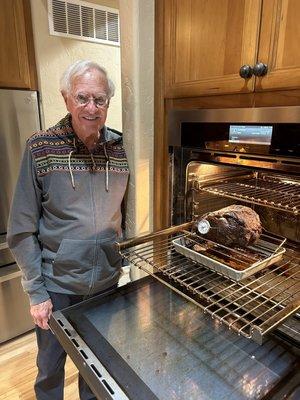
(79, 68)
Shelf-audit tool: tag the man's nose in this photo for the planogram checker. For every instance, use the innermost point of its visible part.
(91, 105)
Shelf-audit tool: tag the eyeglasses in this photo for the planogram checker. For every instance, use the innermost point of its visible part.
(83, 100)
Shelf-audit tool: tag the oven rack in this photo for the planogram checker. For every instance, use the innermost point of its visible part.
(281, 194)
(252, 308)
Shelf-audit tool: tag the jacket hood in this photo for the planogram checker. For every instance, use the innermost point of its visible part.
(110, 135)
(106, 135)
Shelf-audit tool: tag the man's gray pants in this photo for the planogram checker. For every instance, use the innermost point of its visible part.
(51, 359)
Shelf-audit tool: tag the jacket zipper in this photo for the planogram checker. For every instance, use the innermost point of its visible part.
(92, 174)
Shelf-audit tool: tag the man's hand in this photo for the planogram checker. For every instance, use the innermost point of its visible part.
(41, 313)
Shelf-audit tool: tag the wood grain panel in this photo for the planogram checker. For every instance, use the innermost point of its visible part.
(30, 46)
(279, 45)
(261, 99)
(206, 43)
(17, 64)
(160, 174)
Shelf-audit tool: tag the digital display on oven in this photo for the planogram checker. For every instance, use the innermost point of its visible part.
(250, 134)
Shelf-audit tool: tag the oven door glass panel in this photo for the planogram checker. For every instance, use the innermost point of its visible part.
(149, 338)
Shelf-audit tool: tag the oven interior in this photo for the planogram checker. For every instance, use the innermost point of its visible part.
(275, 197)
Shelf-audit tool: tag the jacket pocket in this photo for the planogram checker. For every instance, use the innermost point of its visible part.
(74, 256)
(110, 259)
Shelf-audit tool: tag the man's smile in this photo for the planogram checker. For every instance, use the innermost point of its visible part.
(91, 118)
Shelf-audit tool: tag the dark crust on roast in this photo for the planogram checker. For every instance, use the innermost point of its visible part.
(236, 225)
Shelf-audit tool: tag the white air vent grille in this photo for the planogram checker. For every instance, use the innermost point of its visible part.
(86, 21)
(59, 16)
(100, 23)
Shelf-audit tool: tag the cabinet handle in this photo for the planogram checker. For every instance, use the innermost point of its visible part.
(246, 71)
(260, 69)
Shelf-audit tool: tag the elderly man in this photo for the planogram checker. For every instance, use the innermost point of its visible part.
(66, 212)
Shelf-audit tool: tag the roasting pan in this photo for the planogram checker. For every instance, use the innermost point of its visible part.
(264, 250)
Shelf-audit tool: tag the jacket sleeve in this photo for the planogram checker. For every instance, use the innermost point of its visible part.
(23, 227)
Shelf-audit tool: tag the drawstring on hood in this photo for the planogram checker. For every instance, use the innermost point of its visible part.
(106, 166)
(94, 164)
(93, 161)
(69, 163)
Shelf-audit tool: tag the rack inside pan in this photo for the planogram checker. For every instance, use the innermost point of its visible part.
(280, 193)
(235, 263)
(251, 308)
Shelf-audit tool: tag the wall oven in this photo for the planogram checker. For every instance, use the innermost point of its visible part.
(249, 157)
(189, 330)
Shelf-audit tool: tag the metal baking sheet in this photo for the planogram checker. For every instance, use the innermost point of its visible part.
(226, 270)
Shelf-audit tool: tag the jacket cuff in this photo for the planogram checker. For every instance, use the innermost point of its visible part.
(38, 296)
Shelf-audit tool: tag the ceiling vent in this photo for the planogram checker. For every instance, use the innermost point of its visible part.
(85, 21)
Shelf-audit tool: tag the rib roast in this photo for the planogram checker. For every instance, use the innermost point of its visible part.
(235, 225)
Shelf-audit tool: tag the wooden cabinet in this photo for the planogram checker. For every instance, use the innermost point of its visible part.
(279, 45)
(17, 62)
(206, 43)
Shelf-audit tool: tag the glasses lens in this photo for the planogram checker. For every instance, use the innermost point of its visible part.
(82, 99)
(99, 101)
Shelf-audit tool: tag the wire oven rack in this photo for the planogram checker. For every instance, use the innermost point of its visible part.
(252, 308)
(278, 193)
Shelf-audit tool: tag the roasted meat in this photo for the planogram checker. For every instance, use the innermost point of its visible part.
(235, 225)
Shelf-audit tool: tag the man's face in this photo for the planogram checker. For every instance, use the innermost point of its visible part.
(88, 117)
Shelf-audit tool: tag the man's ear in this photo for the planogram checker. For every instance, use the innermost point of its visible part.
(64, 95)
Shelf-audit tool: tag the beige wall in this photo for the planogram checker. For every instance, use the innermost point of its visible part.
(137, 66)
(55, 53)
(107, 3)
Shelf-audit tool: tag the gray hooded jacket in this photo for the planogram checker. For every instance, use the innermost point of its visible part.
(66, 212)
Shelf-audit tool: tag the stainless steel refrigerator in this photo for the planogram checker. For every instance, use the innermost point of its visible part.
(19, 119)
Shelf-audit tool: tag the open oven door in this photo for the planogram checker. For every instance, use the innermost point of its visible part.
(150, 340)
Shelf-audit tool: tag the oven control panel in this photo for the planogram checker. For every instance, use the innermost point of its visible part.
(267, 139)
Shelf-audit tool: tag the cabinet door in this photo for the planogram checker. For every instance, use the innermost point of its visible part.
(206, 43)
(14, 64)
(279, 45)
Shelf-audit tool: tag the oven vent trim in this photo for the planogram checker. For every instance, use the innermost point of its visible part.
(280, 164)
